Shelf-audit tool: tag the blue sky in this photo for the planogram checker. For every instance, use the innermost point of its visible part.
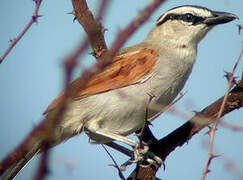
(32, 76)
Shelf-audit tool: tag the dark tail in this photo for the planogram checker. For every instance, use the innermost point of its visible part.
(12, 172)
(44, 133)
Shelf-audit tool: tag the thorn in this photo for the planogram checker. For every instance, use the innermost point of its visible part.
(234, 80)
(210, 130)
(35, 17)
(214, 156)
(112, 165)
(230, 75)
(74, 19)
(240, 27)
(208, 171)
(150, 123)
(70, 12)
(12, 40)
(164, 166)
(195, 112)
(104, 30)
(207, 133)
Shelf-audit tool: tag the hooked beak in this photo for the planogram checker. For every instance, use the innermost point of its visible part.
(220, 18)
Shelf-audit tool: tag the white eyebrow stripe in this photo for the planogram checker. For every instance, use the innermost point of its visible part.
(197, 11)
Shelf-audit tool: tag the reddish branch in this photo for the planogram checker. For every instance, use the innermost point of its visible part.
(211, 156)
(33, 20)
(70, 63)
(134, 25)
(93, 28)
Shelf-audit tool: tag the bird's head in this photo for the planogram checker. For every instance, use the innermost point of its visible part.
(188, 24)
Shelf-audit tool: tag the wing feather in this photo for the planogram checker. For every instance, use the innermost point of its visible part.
(126, 69)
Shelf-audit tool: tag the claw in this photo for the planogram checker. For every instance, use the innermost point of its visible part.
(141, 155)
(152, 160)
(140, 152)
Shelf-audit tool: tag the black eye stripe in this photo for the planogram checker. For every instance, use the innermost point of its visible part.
(184, 17)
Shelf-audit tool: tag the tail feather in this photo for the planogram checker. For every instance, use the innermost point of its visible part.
(32, 145)
(12, 172)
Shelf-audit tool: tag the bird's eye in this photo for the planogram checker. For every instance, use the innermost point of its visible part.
(188, 17)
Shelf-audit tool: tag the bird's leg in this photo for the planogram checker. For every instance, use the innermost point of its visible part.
(117, 137)
(123, 150)
(120, 148)
(141, 152)
(146, 137)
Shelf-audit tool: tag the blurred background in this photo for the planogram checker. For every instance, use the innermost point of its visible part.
(32, 75)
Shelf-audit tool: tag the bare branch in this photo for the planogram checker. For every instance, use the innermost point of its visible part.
(92, 27)
(166, 107)
(43, 166)
(231, 80)
(115, 164)
(33, 20)
(134, 25)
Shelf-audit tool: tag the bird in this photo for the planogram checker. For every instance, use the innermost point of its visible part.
(113, 103)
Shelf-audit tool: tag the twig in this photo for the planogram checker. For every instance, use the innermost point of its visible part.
(102, 9)
(231, 126)
(115, 164)
(134, 25)
(43, 166)
(33, 20)
(70, 64)
(229, 165)
(167, 107)
(213, 129)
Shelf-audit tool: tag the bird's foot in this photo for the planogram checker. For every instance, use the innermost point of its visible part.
(143, 157)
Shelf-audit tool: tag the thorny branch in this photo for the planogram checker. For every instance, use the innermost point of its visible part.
(92, 27)
(115, 164)
(231, 80)
(134, 25)
(33, 20)
(70, 63)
